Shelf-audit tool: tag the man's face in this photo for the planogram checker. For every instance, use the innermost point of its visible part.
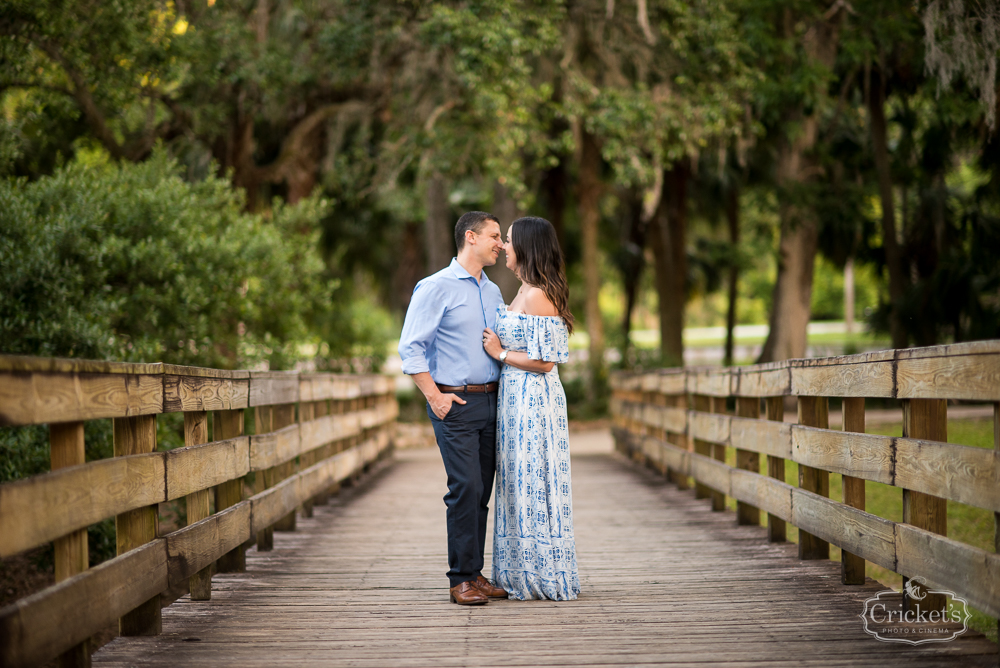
(486, 245)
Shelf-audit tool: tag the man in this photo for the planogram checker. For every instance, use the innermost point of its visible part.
(441, 348)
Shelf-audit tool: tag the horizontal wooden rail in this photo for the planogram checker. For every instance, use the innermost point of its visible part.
(964, 371)
(345, 423)
(651, 426)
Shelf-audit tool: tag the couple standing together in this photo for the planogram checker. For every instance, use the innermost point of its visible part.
(488, 371)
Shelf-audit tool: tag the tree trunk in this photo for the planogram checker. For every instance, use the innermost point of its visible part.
(246, 175)
(733, 219)
(791, 308)
(668, 241)
(589, 199)
(438, 232)
(796, 166)
(504, 208)
(409, 267)
(633, 265)
(890, 244)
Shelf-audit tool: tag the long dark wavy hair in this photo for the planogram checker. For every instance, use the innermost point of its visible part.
(540, 262)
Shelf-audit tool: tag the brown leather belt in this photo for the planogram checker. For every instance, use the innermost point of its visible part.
(487, 388)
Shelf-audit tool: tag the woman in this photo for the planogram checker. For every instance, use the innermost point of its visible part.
(534, 553)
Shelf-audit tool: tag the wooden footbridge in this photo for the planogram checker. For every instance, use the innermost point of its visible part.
(288, 564)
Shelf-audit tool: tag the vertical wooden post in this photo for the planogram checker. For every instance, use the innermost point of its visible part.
(322, 409)
(718, 405)
(136, 436)
(681, 479)
(852, 567)
(263, 419)
(814, 412)
(748, 407)
(66, 447)
(229, 424)
(702, 404)
(198, 508)
(926, 419)
(284, 416)
(307, 412)
(775, 410)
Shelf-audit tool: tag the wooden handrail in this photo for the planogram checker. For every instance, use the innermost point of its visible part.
(652, 425)
(345, 423)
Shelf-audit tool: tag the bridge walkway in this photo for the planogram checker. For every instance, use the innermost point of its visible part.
(665, 581)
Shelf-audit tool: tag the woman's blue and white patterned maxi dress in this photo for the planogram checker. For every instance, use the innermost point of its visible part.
(534, 553)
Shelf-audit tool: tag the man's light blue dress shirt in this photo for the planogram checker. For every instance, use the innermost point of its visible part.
(443, 329)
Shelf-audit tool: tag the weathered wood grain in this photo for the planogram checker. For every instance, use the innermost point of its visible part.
(747, 460)
(970, 572)
(872, 376)
(70, 553)
(673, 382)
(42, 508)
(762, 436)
(276, 447)
(67, 448)
(868, 536)
(198, 501)
(813, 412)
(229, 425)
(38, 628)
(711, 472)
(764, 492)
(925, 419)
(675, 458)
(852, 571)
(673, 419)
(774, 410)
(865, 456)
(710, 382)
(956, 472)
(274, 503)
(197, 393)
(268, 388)
(763, 380)
(709, 427)
(969, 377)
(60, 365)
(663, 582)
(200, 467)
(192, 550)
(135, 528)
(37, 398)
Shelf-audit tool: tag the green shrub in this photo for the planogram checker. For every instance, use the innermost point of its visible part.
(130, 262)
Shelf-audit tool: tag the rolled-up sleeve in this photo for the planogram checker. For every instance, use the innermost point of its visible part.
(420, 327)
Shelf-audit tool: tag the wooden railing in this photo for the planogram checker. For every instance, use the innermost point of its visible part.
(681, 422)
(312, 432)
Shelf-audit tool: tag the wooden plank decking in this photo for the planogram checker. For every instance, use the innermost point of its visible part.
(665, 582)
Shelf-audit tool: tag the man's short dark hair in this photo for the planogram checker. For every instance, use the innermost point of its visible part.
(473, 220)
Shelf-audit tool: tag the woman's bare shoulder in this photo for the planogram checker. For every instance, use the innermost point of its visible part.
(537, 303)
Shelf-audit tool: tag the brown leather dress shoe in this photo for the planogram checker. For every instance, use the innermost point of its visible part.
(468, 593)
(488, 588)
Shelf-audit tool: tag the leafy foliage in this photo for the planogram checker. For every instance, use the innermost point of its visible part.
(129, 262)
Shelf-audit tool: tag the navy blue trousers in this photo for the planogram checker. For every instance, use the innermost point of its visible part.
(467, 440)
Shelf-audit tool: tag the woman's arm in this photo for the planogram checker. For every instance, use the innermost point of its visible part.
(535, 303)
(521, 360)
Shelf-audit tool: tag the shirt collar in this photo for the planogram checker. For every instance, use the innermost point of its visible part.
(460, 272)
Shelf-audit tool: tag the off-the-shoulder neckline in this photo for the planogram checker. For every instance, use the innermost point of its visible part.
(503, 307)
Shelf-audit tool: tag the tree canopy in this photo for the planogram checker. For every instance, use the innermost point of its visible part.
(316, 153)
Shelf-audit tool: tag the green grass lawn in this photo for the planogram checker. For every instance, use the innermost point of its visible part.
(968, 524)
